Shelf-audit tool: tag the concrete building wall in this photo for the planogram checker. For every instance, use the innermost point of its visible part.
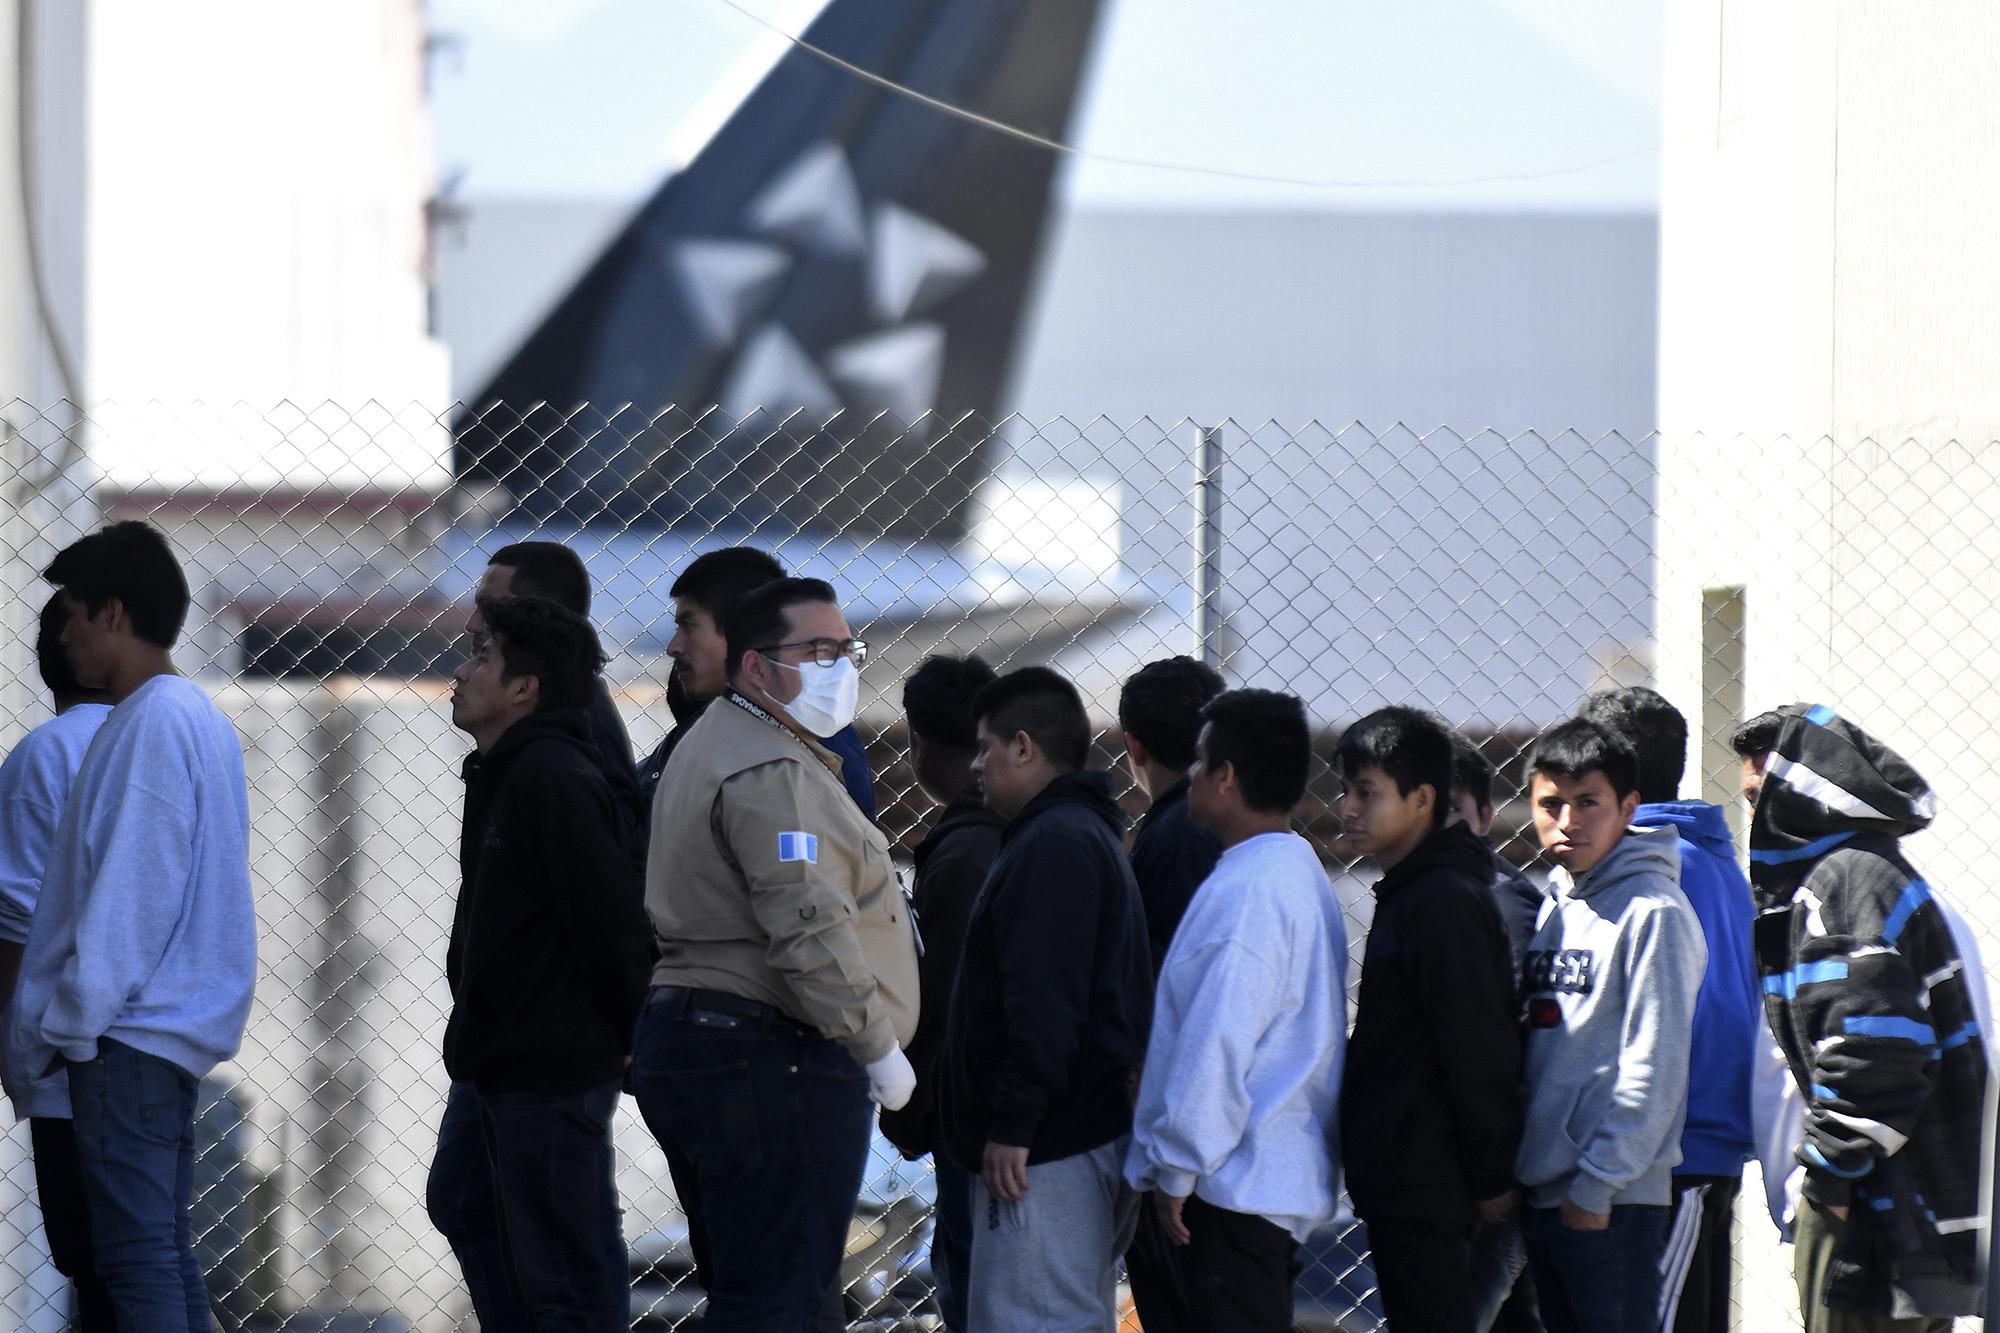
(1828, 288)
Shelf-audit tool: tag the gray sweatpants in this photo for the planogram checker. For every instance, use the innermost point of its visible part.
(1049, 1264)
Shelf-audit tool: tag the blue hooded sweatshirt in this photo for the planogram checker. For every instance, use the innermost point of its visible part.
(1728, 1010)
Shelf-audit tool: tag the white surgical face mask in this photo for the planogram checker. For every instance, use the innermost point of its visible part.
(829, 696)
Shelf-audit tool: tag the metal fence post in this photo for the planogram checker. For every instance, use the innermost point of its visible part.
(1208, 545)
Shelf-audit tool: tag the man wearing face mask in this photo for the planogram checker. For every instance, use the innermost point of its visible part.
(787, 980)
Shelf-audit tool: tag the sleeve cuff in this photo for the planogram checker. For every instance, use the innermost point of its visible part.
(872, 1043)
(1178, 1184)
(1016, 1131)
(1590, 1193)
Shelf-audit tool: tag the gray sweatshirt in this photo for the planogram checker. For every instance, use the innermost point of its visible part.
(1609, 986)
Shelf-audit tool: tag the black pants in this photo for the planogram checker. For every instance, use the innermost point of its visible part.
(1235, 1273)
(66, 1220)
(1424, 1272)
(1694, 1275)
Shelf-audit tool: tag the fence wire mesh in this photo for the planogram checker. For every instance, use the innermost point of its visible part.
(1496, 579)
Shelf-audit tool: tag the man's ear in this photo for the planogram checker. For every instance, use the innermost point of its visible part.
(1426, 796)
(527, 689)
(113, 612)
(1023, 748)
(1629, 806)
(1135, 749)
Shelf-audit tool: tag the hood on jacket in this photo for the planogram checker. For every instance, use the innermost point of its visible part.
(1090, 790)
(1642, 851)
(1704, 825)
(566, 724)
(1454, 847)
(1827, 781)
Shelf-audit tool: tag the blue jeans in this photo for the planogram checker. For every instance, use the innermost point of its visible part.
(774, 1121)
(554, 1177)
(66, 1221)
(951, 1239)
(134, 1120)
(464, 1208)
(1599, 1281)
(1500, 1277)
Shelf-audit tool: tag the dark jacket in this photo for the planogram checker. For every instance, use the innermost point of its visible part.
(614, 761)
(1865, 992)
(951, 864)
(1171, 856)
(1519, 903)
(1430, 1103)
(1728, 1010)
(549, 947)
(854, 771)
(1054, 998)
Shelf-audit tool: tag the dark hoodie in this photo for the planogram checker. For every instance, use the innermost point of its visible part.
(1430, 1103)
(549, 948)
(951, 864)
(1864, 990)
(1171, 856)
(1054, 999)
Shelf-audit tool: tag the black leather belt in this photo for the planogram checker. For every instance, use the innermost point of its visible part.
(720, 1009)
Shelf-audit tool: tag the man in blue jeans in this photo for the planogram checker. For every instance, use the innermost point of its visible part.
(1609, 991)
(547, 964)
(787, 980)
(139, 965)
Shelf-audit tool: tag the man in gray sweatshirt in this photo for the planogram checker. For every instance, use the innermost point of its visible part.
(1609, 989)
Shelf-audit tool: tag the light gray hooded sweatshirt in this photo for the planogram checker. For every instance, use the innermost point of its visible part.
(1609, 986)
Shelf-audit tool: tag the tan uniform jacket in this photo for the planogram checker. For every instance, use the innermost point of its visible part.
(765, 880)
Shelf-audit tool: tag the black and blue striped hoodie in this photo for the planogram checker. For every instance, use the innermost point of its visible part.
(1866, 995)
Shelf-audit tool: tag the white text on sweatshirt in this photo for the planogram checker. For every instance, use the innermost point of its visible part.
(1609, 986)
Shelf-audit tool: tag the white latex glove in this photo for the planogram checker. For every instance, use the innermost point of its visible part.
(891, 1080)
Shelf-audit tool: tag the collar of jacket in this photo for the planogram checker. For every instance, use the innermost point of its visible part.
(1453, 847)
(563, 724)
(766, 716)
(1091, 790)
(1177, 792)
(967, 808)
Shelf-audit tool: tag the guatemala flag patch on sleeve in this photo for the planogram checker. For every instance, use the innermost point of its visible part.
(798, 847)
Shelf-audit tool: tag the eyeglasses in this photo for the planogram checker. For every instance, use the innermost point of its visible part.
(825, 652)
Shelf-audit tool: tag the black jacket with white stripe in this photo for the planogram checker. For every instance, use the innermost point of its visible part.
(1866, 995)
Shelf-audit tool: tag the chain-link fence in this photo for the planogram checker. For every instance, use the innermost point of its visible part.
(1494, 578)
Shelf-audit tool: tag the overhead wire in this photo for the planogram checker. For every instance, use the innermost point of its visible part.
(1042, 141)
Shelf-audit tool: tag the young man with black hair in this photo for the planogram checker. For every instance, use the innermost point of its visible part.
(552, 571)
(1610, 990)
(1871, 1002)
(547, 964)
(787, 981)
(951, 865)
(1237, 1116)
(1431, 1102)
(1048, 1020)
(34, 784)
(1503, 1291)
(702, 594)
(1159, 713)
(140, 962)
(1753, 743)
(1718, 1137)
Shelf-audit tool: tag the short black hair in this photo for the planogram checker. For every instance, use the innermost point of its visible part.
(1758, 736)
(547, 570)
(756, 620)
(1411, 746)
(132, 562)
(1471, 771)
(1042, 703)
(1263, 735)
(1161, 704)
(544, 639)
(1579, 747)
(715, 580)
(50, 658)
(1655, 730)
(937, 699)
